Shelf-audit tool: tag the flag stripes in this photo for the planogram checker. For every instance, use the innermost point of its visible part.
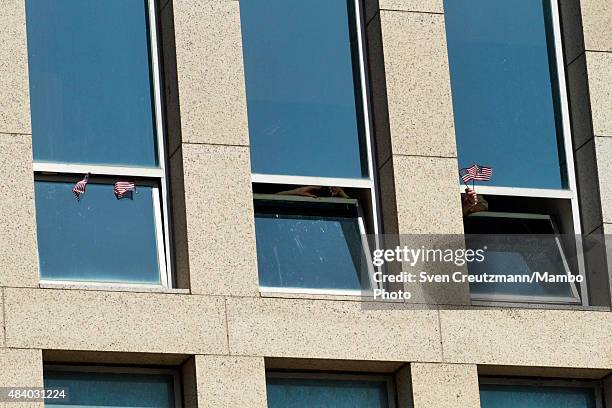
(80, 187)
(124, 189)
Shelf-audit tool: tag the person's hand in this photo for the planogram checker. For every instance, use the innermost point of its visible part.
(470, 196)
(338, 192)
(306, 191)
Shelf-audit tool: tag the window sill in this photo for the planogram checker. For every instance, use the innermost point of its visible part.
(318, 294)
(112, 287)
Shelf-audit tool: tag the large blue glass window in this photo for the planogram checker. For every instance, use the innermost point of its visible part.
(303, 88)
(111, 390)
(98, 238)
(309, 244)
(505, 92)
(315, 393)
(515, 396)
(90, 82)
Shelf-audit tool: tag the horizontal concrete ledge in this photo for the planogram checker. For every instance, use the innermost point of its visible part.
(115, 321)
(104, 357)
(330, 330)
(545, 372)
(112, 288)
(333, 365)
(545, 338)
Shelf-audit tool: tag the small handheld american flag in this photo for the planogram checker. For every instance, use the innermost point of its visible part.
(124, 189)
(80, 186)
(476, 172)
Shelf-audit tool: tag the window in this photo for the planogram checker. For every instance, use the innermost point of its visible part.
(311, 158)
(546, 394)
(299, 235)
(96, 108)
(511, 113)
(113, 387)
(339, 391)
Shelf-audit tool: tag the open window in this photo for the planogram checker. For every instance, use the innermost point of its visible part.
(311, 151)
(96, 109)
(511, 113)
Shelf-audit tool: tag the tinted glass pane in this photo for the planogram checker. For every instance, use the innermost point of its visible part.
(112, 390)
(99, 238)
(90, 82)
(302, 87)
(314, 249)
(504, 90)
(516, 245)
(297, 393)
(504, 396)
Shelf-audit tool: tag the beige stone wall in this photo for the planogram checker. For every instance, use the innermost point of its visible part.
(221, 324)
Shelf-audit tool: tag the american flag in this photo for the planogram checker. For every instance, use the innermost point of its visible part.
(476, 172)
(80, 186)
(124, 189)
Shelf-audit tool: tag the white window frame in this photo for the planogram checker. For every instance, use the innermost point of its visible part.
(158, 174)
(368, 184)
(571, 193)
(388, 379)
(364, 243)
(54, 367)
(541, 383)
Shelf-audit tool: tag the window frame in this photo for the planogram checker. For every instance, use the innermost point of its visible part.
(571, 192)
(364, 243)
(529, 298)
(369, 184)
(155, 175)
(540, 382)
(107, 369)
(331, 376)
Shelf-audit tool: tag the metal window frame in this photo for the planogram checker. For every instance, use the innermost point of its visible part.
(322, 376)
(364, 243)
(369, 184)
(571, 192)
(541, 383)
(159, 174)
(575, 299)
(122, 369)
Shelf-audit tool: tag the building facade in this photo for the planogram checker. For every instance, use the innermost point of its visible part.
(214, 107)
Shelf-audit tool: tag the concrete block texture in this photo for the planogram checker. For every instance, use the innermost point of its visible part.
(210, 72)
(588, 187)
(18, 247)
(418, 84)
(428, 6)
(226, 381)
(603, 151)
(599, 67)
(445, 385)
(596, 17)
(427, 195)
(220, 223)
(332, 330)
(14, 94)
(114, 321)
(21, 368)
(573, 339)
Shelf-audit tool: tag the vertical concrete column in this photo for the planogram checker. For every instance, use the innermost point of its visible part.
(593, 120)
(445, 385)
(18, 254)
(414, 128)
(21, 368)
(224, 381)
(208, 132)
